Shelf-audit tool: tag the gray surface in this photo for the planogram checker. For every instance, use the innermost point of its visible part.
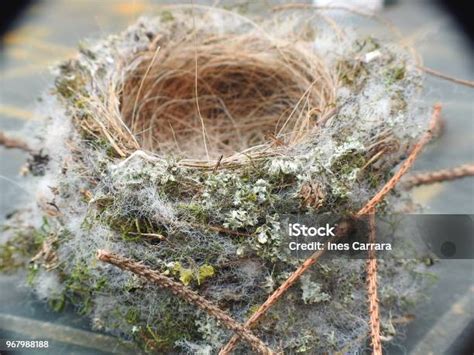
(50, 31)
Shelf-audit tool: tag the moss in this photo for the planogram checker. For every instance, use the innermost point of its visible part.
(252, 310)
(133, 229)
(395, 74)
(98, 144)
(346, 164)
(16, 252)
(368, 44)
(57, 303)
(196, 211)
(80, 287)
(71, 83)
(132, 316)
(398, 102)
(352, 73)
(32, 273)
(373, 178)
(161, 335)
(166, 16)
(86, 51)
(9, 252)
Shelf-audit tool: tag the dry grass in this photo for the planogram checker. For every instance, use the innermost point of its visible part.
(204, 97)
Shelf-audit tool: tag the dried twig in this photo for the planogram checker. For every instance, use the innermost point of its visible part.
(217, 164)
(275, 296)
(13, 143)
(439, 176)
(440, 75)
(47, 254)
(372, 291)
(221, 229)
(185, 293)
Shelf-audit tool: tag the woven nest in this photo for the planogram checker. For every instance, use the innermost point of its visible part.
(182, 141)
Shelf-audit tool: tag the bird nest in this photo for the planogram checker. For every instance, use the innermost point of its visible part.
(182, 142)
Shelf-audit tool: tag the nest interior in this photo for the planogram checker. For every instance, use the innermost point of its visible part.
(204, 96)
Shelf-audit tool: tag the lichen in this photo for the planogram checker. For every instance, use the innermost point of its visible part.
(312, 292)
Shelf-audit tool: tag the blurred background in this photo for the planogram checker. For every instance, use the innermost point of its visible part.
(38, 34)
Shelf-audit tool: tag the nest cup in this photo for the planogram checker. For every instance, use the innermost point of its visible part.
(209, 91)
(208, 95)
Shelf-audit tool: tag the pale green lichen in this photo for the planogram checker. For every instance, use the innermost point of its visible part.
(186, 275)
(312, 292)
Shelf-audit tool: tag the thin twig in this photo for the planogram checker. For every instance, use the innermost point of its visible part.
(432, 177)
(13, 143)
(275, 296)
(440, 75)
(372, 291)
(220, 229)
(186, 294)
(153, 235)
(217, 164)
